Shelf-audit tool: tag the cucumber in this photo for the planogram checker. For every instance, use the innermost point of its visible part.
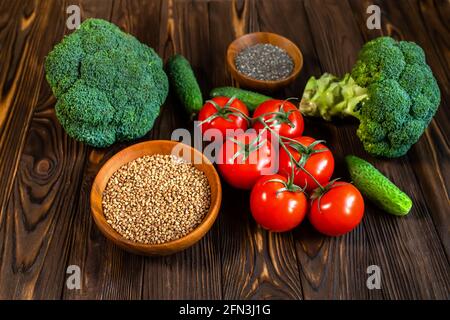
(185, 84)
(378, 188)
(251, 99)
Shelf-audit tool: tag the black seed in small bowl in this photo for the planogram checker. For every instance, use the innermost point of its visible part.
(264, 62)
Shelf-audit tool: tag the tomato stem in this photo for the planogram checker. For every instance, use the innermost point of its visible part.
(282, 116)
(291, 157)
(247, 148)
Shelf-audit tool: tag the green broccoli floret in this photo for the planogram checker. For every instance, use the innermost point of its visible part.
(109, 86)
(391, 90)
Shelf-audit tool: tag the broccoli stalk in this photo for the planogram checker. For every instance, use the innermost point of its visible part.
(330, 97)
(391, 90)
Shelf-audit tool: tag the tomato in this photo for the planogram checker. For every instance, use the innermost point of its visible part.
(276, 209)
(288, 121)
(338, 211)
(319, 164)
(254, 159)
(221, 117)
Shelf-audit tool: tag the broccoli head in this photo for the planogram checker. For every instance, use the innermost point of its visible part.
(109, 86)
(391, 90)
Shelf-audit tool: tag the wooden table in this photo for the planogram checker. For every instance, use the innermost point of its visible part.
(45, 176)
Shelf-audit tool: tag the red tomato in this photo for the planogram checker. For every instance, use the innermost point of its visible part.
(339, 210)
(243, 171)
(225, 118)
(288, 122)
(274, 209)
(320, 165)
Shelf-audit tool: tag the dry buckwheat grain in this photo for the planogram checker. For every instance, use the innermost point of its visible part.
(156, 199)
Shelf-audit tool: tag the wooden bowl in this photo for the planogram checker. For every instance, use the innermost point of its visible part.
(263, 37)
(149, 148)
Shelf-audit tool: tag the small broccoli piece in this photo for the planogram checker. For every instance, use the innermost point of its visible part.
(380, 59)
(62, 64)
(109, 85)
(412, 53)
(86, 114)
(391, 90)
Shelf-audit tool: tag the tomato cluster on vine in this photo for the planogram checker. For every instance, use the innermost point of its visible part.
(301, 184)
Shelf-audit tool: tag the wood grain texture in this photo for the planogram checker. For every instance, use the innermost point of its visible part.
(256, 264)
(22, 34)
(335, 268)
(314, 252)
(198, 268)
(138, 283)
(46, 177)
(416, 235)
(435, 141)
(435, 180)
(107, 271)
(435, 18)
(430, 156)
(37, 217)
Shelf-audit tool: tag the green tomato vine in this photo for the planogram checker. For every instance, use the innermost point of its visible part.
(276, 117)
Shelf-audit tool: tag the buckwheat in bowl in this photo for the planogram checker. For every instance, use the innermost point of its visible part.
(150, 201)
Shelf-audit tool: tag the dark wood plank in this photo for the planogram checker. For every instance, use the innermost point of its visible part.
(45, 201)
(39, 214)
(196, 272)
(415, 262)
(22, 33)
(430, 156)
(45, 221)
(118, 275)
(34, 234)
(332, 268)
(435, 18)
(107, 271)
(435, 179)
(256, 264)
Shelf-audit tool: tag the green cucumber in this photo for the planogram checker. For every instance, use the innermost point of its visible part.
(378, 188)
(185, 84)
(251, 99)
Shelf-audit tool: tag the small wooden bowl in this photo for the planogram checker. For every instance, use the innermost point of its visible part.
(149, 148)
(251, 39)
